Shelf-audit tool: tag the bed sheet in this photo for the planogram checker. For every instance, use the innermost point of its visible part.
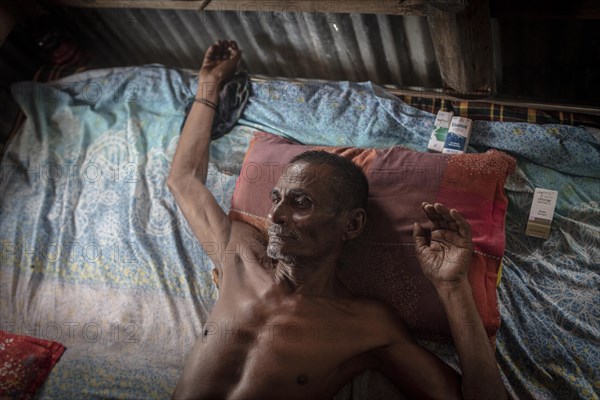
(96, 255)
(548, 346)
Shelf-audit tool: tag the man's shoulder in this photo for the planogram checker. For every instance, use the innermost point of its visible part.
(379, 318)
(374, 309)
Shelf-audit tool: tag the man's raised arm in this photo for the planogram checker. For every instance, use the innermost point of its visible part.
(444, 259)
(188, 171)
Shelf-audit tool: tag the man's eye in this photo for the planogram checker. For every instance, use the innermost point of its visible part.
(303, 202)
(275, 199)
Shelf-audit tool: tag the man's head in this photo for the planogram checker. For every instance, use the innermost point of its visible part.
(318, 204)
(347, 180)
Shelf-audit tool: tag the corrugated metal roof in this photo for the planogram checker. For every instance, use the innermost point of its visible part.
(541, 60)
(357, 47)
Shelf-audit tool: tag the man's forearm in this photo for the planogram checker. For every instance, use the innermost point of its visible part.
(192, 156)
(480, 375)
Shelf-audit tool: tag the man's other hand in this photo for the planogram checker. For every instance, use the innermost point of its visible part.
(445, 253)
(220, 62)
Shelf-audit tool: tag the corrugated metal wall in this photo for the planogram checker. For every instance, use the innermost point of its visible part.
(357, 47)
(546, 60)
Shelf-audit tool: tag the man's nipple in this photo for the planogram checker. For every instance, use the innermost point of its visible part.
(302, 379)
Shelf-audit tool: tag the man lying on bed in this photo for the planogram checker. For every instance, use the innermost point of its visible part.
(283, 326)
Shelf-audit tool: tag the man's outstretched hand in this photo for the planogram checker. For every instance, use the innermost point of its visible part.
(445, 255)
(220, 62)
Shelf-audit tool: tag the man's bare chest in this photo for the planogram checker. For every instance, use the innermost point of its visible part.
(283, 328)
(282, 346)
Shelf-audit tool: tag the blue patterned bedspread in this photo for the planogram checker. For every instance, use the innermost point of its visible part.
(96, 255)
(548, 346)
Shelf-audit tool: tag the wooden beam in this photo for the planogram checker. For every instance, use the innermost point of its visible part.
(405, 7)
(153, 4)
(463, 49)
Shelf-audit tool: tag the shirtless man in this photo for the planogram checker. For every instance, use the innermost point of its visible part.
(283, 326)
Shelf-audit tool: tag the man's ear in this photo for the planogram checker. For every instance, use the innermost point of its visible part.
(355, 223)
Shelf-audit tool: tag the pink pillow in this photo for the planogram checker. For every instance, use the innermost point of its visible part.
(380, 263)
(25, 363)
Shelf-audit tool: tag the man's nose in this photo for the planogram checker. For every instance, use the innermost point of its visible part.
(278, 213)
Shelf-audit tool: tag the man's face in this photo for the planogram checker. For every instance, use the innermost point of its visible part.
(305, 224)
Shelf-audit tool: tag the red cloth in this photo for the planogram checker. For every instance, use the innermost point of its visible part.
(25, 363)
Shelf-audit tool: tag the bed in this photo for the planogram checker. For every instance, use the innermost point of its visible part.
(97, 256)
